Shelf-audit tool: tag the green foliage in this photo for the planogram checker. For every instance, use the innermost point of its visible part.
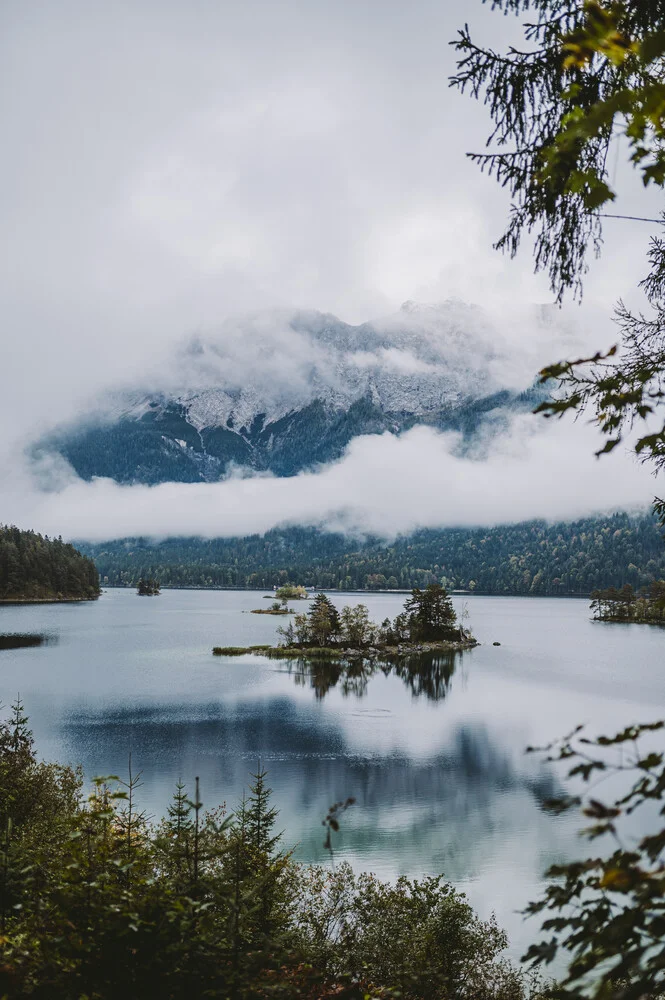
(33, 567)
(607, 910)
(290, 592)
(324, 621)
(530, 558)
(625, 605)
(622, 389)
(148, 588)
(95, 902)
(591, 72)
(588, 71)
(356, 628)
(428, 617)
(419, 936)
(36, 803)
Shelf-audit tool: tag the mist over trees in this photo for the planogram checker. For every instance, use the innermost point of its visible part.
(532, 558)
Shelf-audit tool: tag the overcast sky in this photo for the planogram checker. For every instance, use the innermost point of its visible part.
(168, 164)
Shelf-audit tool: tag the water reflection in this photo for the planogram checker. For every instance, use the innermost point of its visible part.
(445, 806)
(19, 640)
(425, 674)
(433, 753)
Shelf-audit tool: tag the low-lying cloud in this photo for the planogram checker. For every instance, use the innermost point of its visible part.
(383, 484)
(169, 166)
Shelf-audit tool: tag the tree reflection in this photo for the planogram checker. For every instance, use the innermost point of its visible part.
(426, 674)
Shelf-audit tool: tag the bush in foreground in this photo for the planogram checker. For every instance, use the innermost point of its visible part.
(96, 902)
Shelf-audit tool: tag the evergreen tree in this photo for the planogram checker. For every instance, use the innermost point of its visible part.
(589, 74)
(261, 816)
(430, 615)
(534, 558)
(174, 839)
(323, 620)
(81, 915)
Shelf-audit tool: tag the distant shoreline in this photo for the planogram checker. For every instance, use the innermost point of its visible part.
(55, 600)
(326, 590)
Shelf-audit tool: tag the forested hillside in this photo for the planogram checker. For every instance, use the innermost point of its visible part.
(36, 568)
(529, 558)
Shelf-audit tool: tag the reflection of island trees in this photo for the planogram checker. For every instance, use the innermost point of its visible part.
(426, 674)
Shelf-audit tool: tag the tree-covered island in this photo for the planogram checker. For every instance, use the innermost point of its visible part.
(427, 622)
(280, 606)
(291, 592)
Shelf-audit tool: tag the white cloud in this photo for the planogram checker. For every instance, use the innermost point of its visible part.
(382, 484)
(169, 165)
(392, 359)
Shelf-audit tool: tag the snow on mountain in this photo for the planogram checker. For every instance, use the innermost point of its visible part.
(282, 391)
(418, 361)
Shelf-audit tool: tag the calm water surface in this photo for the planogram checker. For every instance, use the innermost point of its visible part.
(437, 766)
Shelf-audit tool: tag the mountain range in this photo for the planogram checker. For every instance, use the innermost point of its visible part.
(283, 392)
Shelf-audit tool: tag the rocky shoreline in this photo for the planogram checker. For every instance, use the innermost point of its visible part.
(335, 653)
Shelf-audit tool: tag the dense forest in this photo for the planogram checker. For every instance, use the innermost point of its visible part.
(530, 558)
(37, 568)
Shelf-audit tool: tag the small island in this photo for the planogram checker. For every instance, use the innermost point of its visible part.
(148, 588)
(289, 592)
(276, 608)
(35, 568)
(427, 623)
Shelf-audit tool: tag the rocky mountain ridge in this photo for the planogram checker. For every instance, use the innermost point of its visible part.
(285, 392)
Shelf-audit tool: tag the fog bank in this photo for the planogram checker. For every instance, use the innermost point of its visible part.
(383, 484)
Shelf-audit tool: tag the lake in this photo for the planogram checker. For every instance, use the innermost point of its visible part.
(435, 762)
